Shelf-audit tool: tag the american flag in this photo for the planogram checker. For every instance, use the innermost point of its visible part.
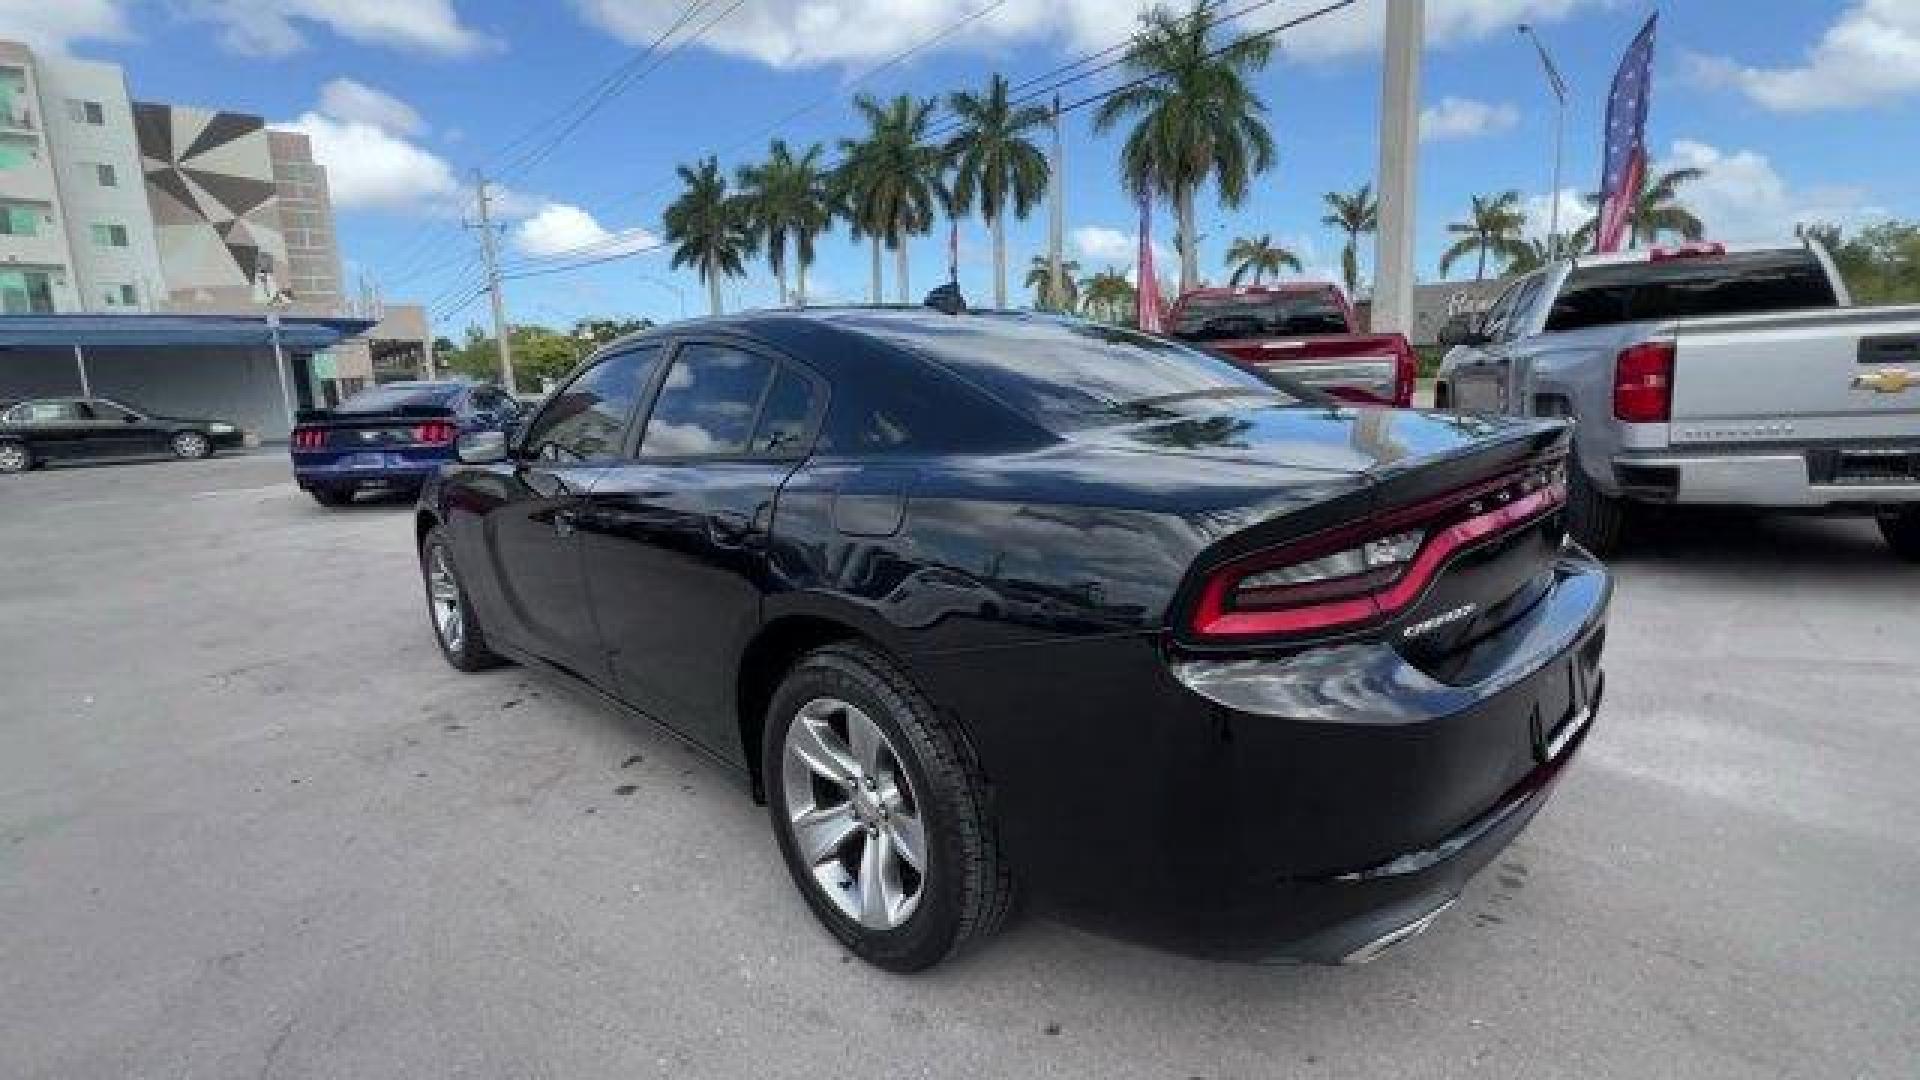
(1146, 292)
(1626, 153)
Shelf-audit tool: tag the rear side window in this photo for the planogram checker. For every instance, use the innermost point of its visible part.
(786, 416)
(587, 421)
(1685, 288)
(708, 403)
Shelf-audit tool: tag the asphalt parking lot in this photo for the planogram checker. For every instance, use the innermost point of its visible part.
(251, 825)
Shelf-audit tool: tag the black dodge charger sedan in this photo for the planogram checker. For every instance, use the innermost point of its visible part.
(989, 603)
(40, 430)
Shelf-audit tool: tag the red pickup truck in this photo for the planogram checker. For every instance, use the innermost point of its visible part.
(1301, 331)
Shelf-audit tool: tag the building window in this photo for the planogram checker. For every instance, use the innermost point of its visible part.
(109, 234)
(16, 152)
(87, 112)
(25, 292)
(119, 296)
(18, 219)
(104, 173)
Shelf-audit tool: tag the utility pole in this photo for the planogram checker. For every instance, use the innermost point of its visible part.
(1057, 211)
(1559, 88)
(492, 257)
(1399, 143)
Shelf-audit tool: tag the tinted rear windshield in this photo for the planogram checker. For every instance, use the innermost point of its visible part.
(1071, 375)
(387, 399)
(1739, 284)
(1218, 318)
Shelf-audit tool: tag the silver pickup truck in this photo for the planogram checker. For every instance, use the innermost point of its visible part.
(1705, 375)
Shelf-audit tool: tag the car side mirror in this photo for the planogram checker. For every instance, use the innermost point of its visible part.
(1461, 329)
(482, 447)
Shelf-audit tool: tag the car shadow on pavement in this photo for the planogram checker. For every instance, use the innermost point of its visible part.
(1747, 542)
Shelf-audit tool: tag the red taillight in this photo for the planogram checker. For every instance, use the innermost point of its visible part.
(1350, 578)
(1643, 383)
(309, 438)
(434, 433)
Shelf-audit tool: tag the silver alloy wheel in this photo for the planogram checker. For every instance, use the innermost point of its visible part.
(191, 444)
(853, 815)
(443, 595)
(13, 457)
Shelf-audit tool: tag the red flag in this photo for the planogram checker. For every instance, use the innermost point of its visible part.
(1625, 157)
(1147, 290)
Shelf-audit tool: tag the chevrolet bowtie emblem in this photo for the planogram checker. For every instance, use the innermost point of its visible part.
(1887, 381)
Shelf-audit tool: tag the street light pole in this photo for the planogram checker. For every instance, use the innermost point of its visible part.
(1559, 87)
(1399, 147)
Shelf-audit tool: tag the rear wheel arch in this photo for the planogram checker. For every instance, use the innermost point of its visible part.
(765, 661)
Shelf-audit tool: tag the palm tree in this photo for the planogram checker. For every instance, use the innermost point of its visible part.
(784, 198)
(1354, 215)
(891, 179)
(1532, 254)
(1198, 120)
(1108, 295)
(1492, 228)
(1656, 209)
(994, 161)
(1040, 280)
(1259, 256)
(711, 229)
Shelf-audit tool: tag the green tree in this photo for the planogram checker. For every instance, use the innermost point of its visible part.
(1493, 227)
(541, 355)
(889, 181)
(785, 198)
(710, 229)
(994, 163)
(1532, 254)
(1198, 120)
(1354, 215)
(1880, 264)
(598, 332)
(1108, 296)
(1040, 280)
(1258, 256)
(1657, 211)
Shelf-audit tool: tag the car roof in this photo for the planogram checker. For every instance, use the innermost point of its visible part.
(1301, 286)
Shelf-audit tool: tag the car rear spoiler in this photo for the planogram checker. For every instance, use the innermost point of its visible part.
(405, 412)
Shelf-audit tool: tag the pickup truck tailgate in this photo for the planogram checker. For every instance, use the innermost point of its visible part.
(1844, 375)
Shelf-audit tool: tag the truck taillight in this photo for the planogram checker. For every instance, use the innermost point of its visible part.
(1694, 250)
(1643, 383)
(1349, 578)
(434, 433)
(1406, 368)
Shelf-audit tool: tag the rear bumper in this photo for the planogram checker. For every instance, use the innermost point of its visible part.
(1784, 478)
(1301, 808)
(363, 473)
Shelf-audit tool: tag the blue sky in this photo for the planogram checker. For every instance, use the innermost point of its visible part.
(1799, 109)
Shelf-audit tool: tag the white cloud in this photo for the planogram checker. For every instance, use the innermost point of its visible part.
(1870, 54)
(561, 229)
(1466, 118)
(369, 168)
(356, 102)
(1098, 247)
(804, 33)
(1574, 212)
(1741, 199)
(273, 27)
(52, 25)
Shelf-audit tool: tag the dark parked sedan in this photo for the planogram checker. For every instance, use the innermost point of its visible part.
(40, 430)
(993, 603)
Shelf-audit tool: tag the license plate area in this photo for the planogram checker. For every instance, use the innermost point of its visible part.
(1566, 700)
(1878, 465)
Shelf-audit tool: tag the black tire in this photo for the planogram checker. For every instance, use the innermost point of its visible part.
(469, 651)
(15, 457)
(967, 889)
(327, 496)
(1598, 521)
(191, 445)
(1902, 532)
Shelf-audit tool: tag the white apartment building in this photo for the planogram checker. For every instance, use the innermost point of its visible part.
(76, 233)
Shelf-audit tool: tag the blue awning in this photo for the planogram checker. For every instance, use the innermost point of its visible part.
(298, 332)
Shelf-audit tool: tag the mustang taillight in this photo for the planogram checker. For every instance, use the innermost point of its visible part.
(434, 433)
(309, 438)
(1348, 578)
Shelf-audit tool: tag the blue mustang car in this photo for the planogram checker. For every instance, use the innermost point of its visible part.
(391, 437)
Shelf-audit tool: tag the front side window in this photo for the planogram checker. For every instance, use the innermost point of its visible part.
(708, 404)
(587, 421)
